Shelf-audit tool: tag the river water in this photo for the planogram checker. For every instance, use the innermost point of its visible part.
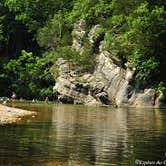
(74, 135)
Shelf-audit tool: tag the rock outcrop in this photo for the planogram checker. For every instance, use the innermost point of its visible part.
(109, 84)
(72, 90)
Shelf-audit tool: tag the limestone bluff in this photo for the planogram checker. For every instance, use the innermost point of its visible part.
(109, 84)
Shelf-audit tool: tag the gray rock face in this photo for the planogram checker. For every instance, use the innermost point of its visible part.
(71, 90)
(109, 84)
(120, 86)
(159, 103)
(78, 34)
(95, 34)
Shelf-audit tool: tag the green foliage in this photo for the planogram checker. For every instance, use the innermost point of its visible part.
(29, 76)
(55, 33)
(65, 52)
(85, 60)
(93, 11)
(34, 13)
(161, 88)
(133, 31)
(146, 67)
(124, 7)
(138, 36)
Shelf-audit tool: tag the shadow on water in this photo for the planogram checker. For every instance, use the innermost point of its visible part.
(82, 136)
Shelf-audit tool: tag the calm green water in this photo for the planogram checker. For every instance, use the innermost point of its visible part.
(84, 135)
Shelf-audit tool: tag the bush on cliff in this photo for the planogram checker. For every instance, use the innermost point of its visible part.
(139, 36)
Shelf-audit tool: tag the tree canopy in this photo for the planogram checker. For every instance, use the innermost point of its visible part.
(134, 31)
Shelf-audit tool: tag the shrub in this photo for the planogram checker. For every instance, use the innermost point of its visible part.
(55, 33)
(30, 76)
(139, 36)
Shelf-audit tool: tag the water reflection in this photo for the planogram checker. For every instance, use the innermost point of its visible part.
(85, 135)
(101, 134)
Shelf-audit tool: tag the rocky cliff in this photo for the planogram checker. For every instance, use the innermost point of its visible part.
(110, 83)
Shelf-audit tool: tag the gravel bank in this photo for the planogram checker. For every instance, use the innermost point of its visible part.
(10, 115)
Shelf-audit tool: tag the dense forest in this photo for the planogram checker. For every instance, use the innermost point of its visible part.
(35, 33)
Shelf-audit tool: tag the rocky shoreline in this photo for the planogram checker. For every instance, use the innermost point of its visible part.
(9, 115)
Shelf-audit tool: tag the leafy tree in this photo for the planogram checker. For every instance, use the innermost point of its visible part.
(133, 31)
(34, 13)
(139, 36)
(55, 33)
(93, 11)
(124, 7)
(29, 76)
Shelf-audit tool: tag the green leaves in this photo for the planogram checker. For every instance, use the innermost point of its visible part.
(137, 35)
(146, 67)
(134, 30)
(30, 76)
(55, 33)
(34, 13)
(93, 11)
(161, 88)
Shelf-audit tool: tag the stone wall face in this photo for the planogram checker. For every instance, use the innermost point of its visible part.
(110, 83)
